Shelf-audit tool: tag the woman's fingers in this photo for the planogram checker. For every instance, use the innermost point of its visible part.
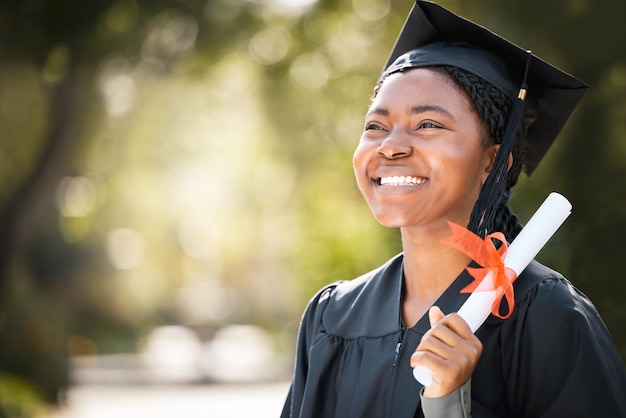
(450, 350)
(451, 330)
(435, 314)
(443, 343)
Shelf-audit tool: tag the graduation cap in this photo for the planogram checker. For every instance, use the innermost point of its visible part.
(545, 95)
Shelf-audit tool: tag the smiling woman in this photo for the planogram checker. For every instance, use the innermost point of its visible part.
(456, 116)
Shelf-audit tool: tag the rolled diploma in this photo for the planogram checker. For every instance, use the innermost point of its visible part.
(531, 239)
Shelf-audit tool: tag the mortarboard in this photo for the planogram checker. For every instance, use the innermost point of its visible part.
(444, 38)
(540, 92)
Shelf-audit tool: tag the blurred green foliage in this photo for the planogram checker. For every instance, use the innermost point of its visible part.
(155, 150)
(18, 399)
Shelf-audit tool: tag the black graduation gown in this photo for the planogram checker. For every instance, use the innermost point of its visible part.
(552, 358)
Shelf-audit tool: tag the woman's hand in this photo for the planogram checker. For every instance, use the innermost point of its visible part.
(450, 350)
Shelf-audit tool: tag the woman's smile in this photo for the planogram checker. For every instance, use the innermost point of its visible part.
(401, 181)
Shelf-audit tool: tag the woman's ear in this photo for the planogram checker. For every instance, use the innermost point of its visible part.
(492, 158)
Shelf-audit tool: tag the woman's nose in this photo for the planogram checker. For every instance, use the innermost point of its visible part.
(394, 147)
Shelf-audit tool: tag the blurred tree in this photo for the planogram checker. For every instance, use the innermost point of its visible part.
(51, 54)
(38, 38)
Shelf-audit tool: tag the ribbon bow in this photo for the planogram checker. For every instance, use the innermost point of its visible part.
(491, 259)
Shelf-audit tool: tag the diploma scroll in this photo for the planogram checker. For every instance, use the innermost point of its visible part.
(539, 229)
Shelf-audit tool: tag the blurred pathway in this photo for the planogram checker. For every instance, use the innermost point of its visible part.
(259, 400)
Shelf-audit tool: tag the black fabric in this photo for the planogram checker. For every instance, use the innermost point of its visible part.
(552, 358)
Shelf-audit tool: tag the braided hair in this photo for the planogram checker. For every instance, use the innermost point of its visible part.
(493, 108)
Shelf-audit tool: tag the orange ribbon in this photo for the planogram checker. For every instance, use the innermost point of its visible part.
(491, 259)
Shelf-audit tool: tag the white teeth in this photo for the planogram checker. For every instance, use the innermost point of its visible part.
(401, 181)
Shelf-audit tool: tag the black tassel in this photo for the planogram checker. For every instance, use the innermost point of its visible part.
(492, 192)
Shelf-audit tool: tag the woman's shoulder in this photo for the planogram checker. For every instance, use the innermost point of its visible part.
(366, 305)
(541, 286)
(547, 303)
(543, 292)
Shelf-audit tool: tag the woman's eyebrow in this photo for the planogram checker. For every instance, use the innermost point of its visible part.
(413, 110)
(378, 111)
(430, 108)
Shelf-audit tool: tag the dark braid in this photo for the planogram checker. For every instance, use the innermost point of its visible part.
(493, 108)
(506, 221)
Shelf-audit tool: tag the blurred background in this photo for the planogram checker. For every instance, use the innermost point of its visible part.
(176, 183)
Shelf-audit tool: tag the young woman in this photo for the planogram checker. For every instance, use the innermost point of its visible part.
(445, 138)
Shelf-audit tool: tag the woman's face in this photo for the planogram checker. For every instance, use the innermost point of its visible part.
(421, 159)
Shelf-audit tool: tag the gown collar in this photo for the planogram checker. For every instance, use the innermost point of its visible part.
(370, 306)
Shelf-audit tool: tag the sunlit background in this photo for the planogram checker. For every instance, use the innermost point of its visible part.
(176, 183)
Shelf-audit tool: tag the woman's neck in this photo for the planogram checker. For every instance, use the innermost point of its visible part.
(429, 268)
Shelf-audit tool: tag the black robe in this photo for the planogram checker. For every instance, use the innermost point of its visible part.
(552, 358)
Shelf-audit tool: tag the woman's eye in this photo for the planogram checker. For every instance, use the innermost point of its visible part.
(372, 126)
(428, 125)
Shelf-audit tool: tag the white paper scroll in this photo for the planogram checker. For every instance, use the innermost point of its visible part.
(543, 224)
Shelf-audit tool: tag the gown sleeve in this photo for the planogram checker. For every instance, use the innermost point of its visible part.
(309, 327)
(563, 361)
(454, 405)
